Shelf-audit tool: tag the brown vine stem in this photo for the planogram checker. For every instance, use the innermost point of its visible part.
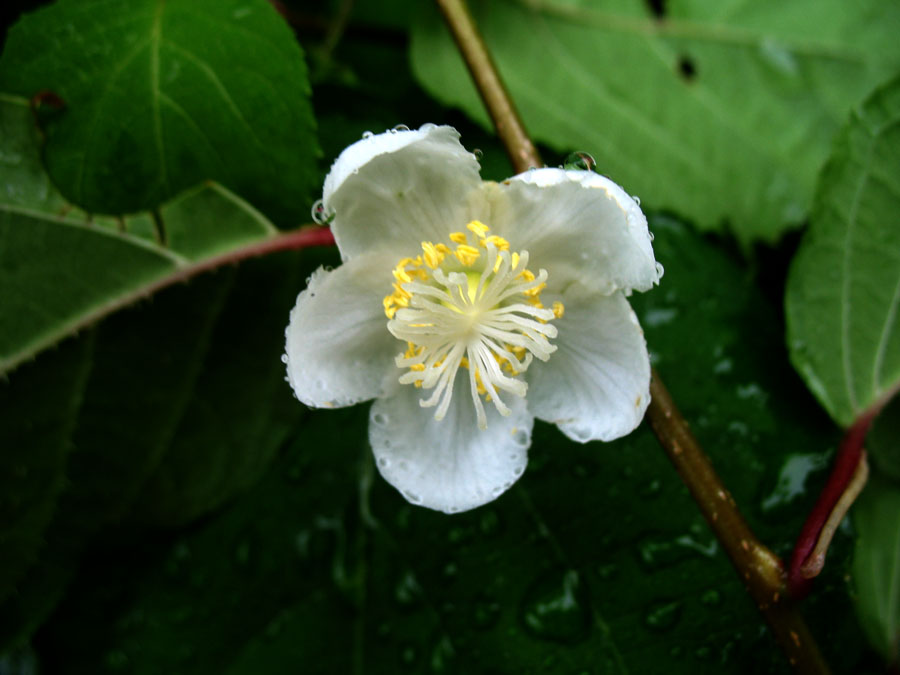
(760, 570)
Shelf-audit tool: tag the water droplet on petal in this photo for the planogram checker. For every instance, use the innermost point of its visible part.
(399, 127)
(367, 134)
(637, 200)
(284, 358)
(319, 215)
(478, 153)
(579, 161)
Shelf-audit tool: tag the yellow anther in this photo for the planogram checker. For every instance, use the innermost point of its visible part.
(418, 367)
(400, 293)
(558, 309)
(466, 254)
(432, 256)
(478, 228)
(514, 260)
(527, 275)
(443, 248)
(458, 237)
(499, 242)
(536, 291)
(401, 275)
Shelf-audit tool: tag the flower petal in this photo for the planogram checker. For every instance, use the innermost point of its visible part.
(448, 465)
(339, 350)
(578, 225)
(396, 189)
(596, 385)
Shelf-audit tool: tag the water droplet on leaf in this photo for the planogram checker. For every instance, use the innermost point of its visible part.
(556, 608)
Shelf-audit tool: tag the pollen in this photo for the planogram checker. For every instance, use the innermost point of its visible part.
(474, 306)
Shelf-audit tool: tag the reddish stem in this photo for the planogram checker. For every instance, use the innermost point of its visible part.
(846, 467)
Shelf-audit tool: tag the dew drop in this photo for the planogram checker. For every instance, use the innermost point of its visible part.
(284, 358)
(399, 127)
(384, 462)
(413, 497)
(556, 608)
(579, 161)
(485, 612)
(662, 616)
(659, 270)
(319, 215)
(637, 200)
(711, 598)
(367, 135)
(478, 153)
(407, 590)
(380, 419)
(521, 438)
(652, 236)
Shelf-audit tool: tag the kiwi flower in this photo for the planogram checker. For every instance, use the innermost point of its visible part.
(466, 308)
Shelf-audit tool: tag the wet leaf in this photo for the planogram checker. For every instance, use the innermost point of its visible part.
(157, 96)
(843, 291)
(721, 112)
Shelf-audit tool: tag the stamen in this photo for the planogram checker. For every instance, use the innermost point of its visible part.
(456, 308)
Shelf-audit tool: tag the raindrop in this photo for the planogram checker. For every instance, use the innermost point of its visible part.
(520, 438)
(284, 358)
(413, 497)
(579, 161)
(367, 134)
(486, 612)
(399, 127)
(319, 215)
(607, 571)
(407, 591)
(637, 200)
(490, 522)
(652, 236)
(380, 419)
(556, 608)
(711, 598)
(478, 153)
(660, 270)
(652, 488)
(384, 462)
(662, 616)
(408, 655)
(703, 653)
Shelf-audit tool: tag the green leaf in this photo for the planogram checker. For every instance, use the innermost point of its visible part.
(596, 560)
(883, 441)
(61, 271)
(721, 111)
(843, 292)
(38, 409)
(162, 95)
(876, 565)
(185, 406)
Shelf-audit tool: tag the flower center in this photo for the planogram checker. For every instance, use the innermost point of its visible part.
(474, 306)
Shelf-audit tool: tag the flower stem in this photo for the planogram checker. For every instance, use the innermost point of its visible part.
(760, 570)
(521, 151)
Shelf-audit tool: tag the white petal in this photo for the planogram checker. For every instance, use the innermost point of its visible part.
(449, 465)
(399, 188)
(596, 385)
(577, 225)
(339, 350)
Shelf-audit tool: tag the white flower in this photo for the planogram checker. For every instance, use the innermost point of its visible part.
(468, 308)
